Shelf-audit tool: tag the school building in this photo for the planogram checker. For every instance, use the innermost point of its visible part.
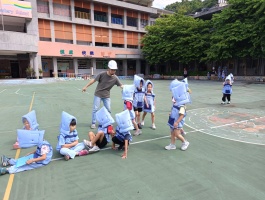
(73, 36)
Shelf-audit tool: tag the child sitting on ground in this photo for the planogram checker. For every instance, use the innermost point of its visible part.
(42, 156)
(68, 145)
(29, 123)
(105, 131)
(123, 136)
(149, 105)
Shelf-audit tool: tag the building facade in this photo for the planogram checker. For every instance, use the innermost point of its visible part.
(73, 36)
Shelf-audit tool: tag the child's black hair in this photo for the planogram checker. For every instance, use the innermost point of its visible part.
(73, 122)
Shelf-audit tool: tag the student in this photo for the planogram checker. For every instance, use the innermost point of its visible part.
(149, 106)
(123, 136)
(68, 145)
(42, 156)
(227, 90)
(29, 123)
(177, 116)
(105, 131)
(127, 96)
(138, 99)
(106, 80)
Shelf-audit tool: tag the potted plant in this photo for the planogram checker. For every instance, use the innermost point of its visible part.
(40, 73)
(33, 73)
(28, 72)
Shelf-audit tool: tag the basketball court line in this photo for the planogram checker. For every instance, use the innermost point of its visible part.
(3, 91)
(12, 176)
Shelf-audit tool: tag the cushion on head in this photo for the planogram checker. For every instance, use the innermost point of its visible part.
(124, 121)
(181, 95)
(127, 92)
(103, 117)
(29, 138)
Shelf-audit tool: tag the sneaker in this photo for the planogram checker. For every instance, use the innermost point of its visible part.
(170, 147)
(66, 157)
(3, 171)
(138, 132)
(228, 102)
(153, 126)
(139, 126)
(16, 146)
(83, 152)
(87, 144)
(93, 126)
(5, 160)
(223, 102)
(94, 149)
(142, 123)
(184, 145)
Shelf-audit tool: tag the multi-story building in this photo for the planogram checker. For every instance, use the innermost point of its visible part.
(73, 36)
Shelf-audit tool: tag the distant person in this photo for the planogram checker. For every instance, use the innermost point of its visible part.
(106, 80)
(185, 73)
(227, 90)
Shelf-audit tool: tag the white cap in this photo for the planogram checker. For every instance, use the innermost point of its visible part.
(112, 64)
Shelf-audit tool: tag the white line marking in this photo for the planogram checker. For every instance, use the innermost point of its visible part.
(3, 90)
(17, 91)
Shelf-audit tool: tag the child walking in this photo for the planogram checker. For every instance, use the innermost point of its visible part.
(68, 145)
(138, 99)
(149, 106)
(177, 116)
(41, 157)
(105, 131)
(123, 136)
(227, 90)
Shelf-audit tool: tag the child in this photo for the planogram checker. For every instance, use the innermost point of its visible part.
(138, 99)
(177, 116)
(42, 156)
(223, 75)
(105, 131)
(29, 123)
(149, 106)
(123, 135)
(127, 96)
(68, 144)
(227, 90)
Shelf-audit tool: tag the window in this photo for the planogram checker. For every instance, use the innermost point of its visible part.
(44, 30)
(43, 6)
(63, 32)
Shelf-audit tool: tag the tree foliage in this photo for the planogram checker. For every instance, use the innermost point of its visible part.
(236, 32)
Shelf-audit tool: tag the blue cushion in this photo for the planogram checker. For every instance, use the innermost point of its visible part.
(103, 117)
(28, 138)
(127, 92)
(124, 121)
(181, 95)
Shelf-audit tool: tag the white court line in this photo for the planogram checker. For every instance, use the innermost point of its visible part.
(237, 122)
(17, 91)
(203, 131)
(3, 90)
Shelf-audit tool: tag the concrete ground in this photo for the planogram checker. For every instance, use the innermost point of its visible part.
(225, 159)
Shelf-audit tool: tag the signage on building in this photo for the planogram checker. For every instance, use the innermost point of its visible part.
(16, 8)
(70, 52)
(91, 53)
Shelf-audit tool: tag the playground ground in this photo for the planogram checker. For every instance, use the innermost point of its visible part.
(225, 159)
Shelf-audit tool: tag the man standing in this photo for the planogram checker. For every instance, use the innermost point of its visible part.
(106, 80)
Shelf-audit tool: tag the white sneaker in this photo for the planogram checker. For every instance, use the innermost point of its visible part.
(228, 102)
(87, 144)
(142, 123)
(223, 102)
(138, 132)
(153, 126)
(93, 126)
(184, 145)
(170, 147)
(94, 149)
